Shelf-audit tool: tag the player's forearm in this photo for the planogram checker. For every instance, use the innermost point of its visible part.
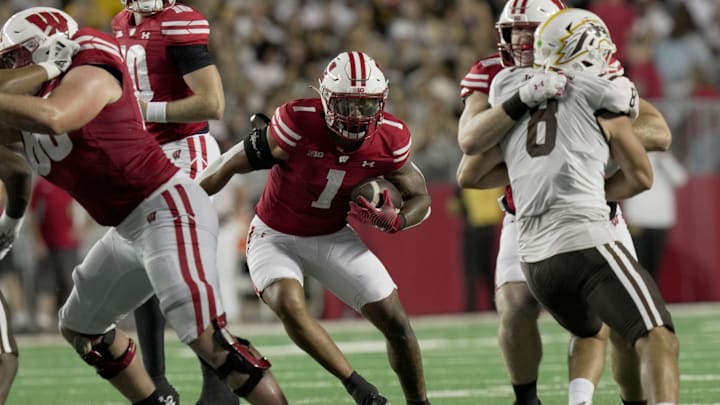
(415, 210)
(482, 131)
(486, 170)
(22, 81)
(16, 175)
(651, 128)
(30, 114)
(621, 186)
(220, 171)
(191, 109)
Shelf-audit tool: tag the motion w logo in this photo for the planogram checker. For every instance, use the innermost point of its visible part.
(48, 21)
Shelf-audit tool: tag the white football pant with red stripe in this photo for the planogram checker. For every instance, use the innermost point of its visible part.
(167, 247)
(193, 153)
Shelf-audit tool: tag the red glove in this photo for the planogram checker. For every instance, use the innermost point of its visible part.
(385, 218)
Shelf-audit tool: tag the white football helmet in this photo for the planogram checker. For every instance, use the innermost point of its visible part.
(147, 6)
(522, 14)
(25, 31)
(575, 40)
(353, 90)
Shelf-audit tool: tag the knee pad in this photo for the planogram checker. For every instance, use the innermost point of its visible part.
(99, 356)
(241, 359)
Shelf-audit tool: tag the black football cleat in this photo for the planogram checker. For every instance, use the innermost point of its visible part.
(371, 398)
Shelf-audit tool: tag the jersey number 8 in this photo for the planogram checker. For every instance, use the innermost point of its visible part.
(542, 129)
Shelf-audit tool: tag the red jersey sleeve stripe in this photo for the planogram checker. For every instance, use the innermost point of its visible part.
(402, 153)
(282, 131)
(91, 42)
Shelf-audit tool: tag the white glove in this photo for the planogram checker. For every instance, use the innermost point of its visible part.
(9, 229)
(55, 54)
(541, 87)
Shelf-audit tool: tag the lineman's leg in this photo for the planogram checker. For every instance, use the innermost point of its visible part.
(109, 283)
(150, 326)
(518, 332)
(625, 364)
(644, 320)
(586, 360)
(354, 274)
(8, 351)
(179, 254)
(192, 155)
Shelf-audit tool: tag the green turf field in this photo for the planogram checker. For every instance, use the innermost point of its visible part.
(462, 362)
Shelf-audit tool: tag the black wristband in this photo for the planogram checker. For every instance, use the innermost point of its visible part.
(514, 107)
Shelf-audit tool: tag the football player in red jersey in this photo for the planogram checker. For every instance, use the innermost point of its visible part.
(84, 132)
(48, 61)
(479, 128)
(165, 46)
(318, 150)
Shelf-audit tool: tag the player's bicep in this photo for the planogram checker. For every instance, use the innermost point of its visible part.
(651, 128)
(275, 149)
(82, 94)
(409, 180)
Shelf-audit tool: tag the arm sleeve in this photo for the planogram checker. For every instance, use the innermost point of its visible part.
(190, 58)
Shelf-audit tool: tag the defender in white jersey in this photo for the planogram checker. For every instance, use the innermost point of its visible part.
(518, 332)
(555, 157)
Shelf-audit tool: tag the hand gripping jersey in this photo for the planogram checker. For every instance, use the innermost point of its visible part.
(154, 72)
(481, 76)
(556, 157)
(309, 194)
(111, 164)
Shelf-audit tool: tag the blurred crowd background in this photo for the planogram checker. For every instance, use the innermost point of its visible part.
(271, 51)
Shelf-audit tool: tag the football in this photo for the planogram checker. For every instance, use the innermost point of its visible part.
(372, 190)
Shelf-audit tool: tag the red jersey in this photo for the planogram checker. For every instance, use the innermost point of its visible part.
(153, 71)
(52, 207)
(309, 194)
(111, 164)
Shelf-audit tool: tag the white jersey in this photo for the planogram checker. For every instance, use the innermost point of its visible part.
(556, 158)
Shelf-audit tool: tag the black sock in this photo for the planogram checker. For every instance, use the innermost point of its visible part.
(425, 402)
(214, 390)
(356, 381)
(643, 402)
(154, 399)
(526, 394)
(150, 325)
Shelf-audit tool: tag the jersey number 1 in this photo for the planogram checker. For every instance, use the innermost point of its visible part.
(542, 129)
(334, 181)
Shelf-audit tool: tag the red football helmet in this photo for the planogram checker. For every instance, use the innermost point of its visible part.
(147, 6)
(26, 31)
(353, 90)
(522, 14)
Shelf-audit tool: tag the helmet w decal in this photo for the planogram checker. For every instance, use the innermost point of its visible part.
(27, 30)
(353, 90)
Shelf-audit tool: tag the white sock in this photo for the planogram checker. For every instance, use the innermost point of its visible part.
(580, 392)
(665, 403)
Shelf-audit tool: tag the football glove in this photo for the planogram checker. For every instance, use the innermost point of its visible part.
(55, 55)
(9, 229)
(542, 86)
(385, 218)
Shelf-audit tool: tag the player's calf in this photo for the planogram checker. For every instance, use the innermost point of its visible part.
(112, 354)
(241, 359)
